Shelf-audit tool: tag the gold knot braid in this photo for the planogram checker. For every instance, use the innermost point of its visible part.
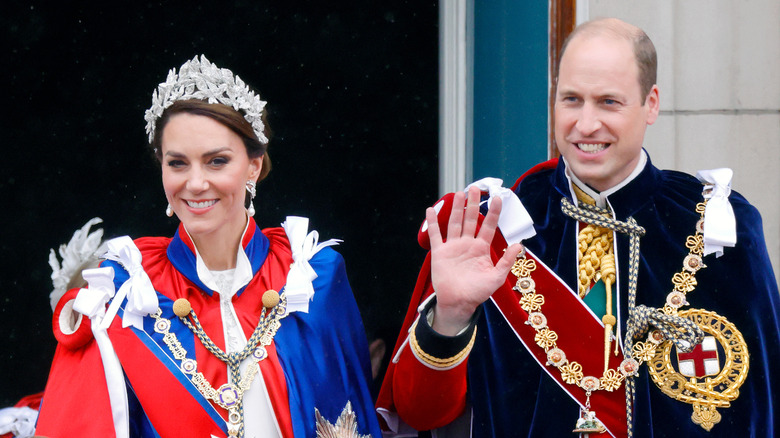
(608, 270)
(594, 244)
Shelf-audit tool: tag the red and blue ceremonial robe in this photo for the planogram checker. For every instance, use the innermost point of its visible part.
(318, 359)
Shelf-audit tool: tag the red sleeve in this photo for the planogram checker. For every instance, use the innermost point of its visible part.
(75, 401)
(428, 398)
(425, 398)
(76, 386)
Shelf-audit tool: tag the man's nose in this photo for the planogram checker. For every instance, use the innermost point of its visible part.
(588, 121)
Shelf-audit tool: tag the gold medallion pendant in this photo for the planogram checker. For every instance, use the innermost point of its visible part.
(702, 378)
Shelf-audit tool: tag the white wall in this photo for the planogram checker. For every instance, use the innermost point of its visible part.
(719, 76)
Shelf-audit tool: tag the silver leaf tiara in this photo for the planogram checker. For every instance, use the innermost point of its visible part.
(200, 79)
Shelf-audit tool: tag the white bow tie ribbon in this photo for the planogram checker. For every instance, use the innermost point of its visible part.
(720, 225)
(514, 221)
(299, 289)
(92, 301)
(141, 297)
(18, 421)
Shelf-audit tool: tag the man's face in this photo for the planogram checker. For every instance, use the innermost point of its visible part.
(600, 115)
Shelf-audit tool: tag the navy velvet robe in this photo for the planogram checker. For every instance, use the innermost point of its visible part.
(510, 394)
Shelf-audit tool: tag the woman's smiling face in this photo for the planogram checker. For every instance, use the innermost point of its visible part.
(205, 168)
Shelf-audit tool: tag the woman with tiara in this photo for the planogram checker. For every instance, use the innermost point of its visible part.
(224, 330)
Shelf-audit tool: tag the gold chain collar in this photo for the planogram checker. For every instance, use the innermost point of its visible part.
(571, 371)
(230, 395)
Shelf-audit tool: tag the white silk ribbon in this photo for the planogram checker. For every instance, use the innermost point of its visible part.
(514, 221)
(720, 226)
(141, 297)
(92, 303)
(299, 289)
(18, 422)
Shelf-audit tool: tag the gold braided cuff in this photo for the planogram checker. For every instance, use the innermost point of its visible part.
(435, 362)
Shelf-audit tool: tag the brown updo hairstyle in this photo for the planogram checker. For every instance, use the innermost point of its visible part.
(225, 115)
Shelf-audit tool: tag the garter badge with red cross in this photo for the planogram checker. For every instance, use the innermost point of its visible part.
(709, 376)
(702, 361)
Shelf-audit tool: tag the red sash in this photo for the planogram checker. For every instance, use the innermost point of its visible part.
(580, 336)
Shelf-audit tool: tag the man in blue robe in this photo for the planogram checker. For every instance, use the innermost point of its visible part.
(644, 306)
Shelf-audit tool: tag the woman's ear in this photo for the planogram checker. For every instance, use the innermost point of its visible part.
(255, 166)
